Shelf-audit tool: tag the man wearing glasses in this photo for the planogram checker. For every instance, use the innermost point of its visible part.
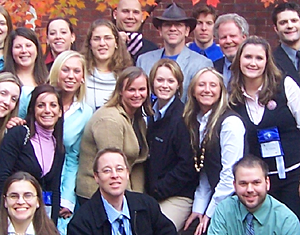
(112, 209)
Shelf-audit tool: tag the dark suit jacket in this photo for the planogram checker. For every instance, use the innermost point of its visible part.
(147, 46)
(146, 217)
(285, 64)
(219, 64)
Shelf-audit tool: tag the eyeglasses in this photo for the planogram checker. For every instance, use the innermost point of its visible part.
(109, 171)
(15, 196)
(106, 38)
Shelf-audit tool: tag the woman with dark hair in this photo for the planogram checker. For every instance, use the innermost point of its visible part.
(106, 57)
(22, 190)
(270, 107)
(170, 174)
(10, 89)
(37, 148)
(119, 123)
(6, 27)
(60, 37)
(217, 138)
(24, 57)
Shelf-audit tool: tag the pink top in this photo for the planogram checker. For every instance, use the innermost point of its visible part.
(44, 143)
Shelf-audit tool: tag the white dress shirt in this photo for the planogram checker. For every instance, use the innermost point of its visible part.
(232, 149)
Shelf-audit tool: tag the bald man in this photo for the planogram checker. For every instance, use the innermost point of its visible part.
(129, 18)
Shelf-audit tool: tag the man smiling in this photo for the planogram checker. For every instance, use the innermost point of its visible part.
(174, 26)
(286, 20)
(112, 209)
(252, 211)
(129, 18)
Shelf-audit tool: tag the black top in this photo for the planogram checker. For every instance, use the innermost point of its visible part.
(170, 167)
(15, 156)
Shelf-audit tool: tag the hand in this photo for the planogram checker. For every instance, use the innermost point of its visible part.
(202, 226)
(15, 121)
(65, 213)
(192, 217)
(124, 36)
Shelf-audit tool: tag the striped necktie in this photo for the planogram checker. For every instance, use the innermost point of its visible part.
(121, 229)
(135, 42)
(249, 225)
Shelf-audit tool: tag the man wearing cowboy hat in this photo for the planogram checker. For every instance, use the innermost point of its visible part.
(174, 26)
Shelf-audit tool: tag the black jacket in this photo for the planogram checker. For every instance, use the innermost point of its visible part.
(170, 167)
(146, 217)
(219, 64)
(285, 64)
(15, 156)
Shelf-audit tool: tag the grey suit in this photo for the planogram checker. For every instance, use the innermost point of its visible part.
(189, 61)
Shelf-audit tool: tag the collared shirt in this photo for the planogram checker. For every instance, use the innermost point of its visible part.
(232, 147)
(159, 114)
(292, 92)
(291, 54)
(113, 215)
(11, 229)
(273, 217)
(226, 72)
(213, 52)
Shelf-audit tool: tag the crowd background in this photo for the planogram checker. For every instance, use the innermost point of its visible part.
(257, 15)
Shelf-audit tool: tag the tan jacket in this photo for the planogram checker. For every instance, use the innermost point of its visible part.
(111, 127)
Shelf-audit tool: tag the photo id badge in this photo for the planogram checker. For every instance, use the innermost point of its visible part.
(47, 198)
(270, 144)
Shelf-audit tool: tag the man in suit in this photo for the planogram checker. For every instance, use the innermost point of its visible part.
(128, 17)
(203, 34)
(286, 20)
(112, 209)
(174, 26)
(230, 30)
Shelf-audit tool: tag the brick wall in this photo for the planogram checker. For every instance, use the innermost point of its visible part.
(258, 17)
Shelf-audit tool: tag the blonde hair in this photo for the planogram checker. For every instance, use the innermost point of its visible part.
(56, 68)
(9, 77)
(192, 109)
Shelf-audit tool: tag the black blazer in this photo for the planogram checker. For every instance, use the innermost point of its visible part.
(219, 64)
(285, 64)
(146, 217)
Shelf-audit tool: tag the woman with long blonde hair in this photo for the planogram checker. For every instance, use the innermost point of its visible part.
(217, 138)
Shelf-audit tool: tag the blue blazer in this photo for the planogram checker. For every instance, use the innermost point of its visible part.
(189, 61)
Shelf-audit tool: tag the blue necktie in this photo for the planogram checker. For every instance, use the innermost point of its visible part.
(121, 229)
(249, 225)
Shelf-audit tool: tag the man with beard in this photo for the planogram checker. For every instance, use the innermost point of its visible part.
(286, 22)
(252, 211)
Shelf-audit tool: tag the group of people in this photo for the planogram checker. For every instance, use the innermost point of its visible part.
(101, 146)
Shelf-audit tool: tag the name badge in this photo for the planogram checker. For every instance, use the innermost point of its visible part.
(270, 144)
(47, 198)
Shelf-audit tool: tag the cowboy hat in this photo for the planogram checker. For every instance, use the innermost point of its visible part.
(174, 13)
